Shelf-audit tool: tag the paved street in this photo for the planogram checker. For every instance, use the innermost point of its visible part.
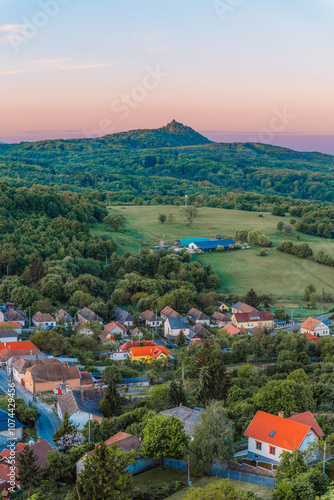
(48, 422)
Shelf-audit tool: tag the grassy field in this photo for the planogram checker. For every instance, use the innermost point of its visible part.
(261, 491)
(158, 476)
(283, 275)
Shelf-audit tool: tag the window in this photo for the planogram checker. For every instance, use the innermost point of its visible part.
(272, 450)
(272, 434)
(258, 445)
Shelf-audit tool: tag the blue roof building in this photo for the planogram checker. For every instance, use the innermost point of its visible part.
(207, 246)
(185, 242)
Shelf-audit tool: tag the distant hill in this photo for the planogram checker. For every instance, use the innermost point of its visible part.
(168, 161)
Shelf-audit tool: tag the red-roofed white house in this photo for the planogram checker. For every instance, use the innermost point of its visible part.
(270, 435)
(314, 327)
(114, 327)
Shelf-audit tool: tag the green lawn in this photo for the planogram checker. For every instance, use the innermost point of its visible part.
(261, 491)
(283, 275)
(158, 476)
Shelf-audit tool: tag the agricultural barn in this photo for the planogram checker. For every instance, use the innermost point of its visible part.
(187, 241)
(210, 245)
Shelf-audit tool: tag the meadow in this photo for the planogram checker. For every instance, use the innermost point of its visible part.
(281, 274)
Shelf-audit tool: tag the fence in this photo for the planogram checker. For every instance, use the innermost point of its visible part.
(245, 477)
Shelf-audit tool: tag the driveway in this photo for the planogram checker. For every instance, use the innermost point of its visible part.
(48, 422)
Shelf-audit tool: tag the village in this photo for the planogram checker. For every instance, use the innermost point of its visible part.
(146, 340)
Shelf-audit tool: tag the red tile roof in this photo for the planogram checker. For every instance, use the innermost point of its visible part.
(308, 419)
(197, 315)
(136, 343)
(254, 316)
(232, 330)
(110, 326)
(117, 437)
(43, 318)
(310, 324)
(312, 337)
(288, 434)
(19, 345)
(12, 324)
(153, 351)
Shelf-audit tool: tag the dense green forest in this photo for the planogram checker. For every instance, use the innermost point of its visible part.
(166, 163)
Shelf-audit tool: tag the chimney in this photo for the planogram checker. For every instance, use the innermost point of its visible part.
(81, 399)
(281, 414)
(180, 405)
(65, 364)
(38, 440)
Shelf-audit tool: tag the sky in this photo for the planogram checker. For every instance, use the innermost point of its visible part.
(248, 70)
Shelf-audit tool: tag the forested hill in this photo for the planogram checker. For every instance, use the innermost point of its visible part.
(168, 161)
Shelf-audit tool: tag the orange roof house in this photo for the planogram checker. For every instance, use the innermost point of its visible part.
(232, 330)
(314, 327)
(148, 353)
(270, 435)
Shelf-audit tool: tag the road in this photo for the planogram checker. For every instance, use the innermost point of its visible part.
(48, 422)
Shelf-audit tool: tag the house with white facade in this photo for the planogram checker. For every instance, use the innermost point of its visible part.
(44, 320)
(173, 326)
(81, 406)
(150, 319)
(198, 317)
(270, 435)
(7, 335)
(315, 327)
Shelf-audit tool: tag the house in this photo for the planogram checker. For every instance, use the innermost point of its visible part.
(220, 319)
(19, 349)
(137, 332)
(314, 327)
(200, 330)
(253, 320)
(40, 449)
(7, 335)
(232, 330)
(241, 307)
(173, 326)
(85, 328)
(14, 315)
(19, 367)
(185, 242)
(44, 320)
(45, 377)
(16, 327)
(87, 316)
(188, 417)
(222, 307)
(148, 353)
(123, 317)
(150, 319)
(114, 328)
(168, 312)
(8, 478)
(198, 317)
(269, 435)
(135, 382)
(211, 245)
(79, 408)
(126, 442)
(15, 430)
(63, 317)
(136, 343)
(118, 355)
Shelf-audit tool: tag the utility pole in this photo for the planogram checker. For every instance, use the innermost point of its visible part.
(292, 322)
(324, 466)
(89, 438)
(7, 271)
(186, 200)
(189, 470)
(29, 318)
(183, 377)
(156, 323)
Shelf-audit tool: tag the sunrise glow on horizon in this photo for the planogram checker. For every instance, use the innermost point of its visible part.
(232, 70)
